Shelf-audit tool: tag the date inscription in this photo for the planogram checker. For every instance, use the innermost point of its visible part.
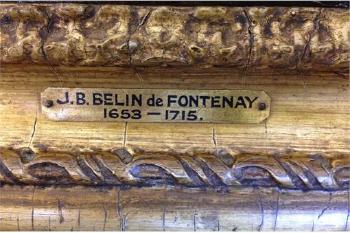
(155, 105)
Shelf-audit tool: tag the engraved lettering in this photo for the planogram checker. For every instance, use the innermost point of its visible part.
(204, 100)
(193, 102)
(183, 101)
(151, 101)
(66, 99)
(240, 102)
(227, 101)
(108, 99)
(171, 99)
(97, 99)
(156, 105)
(80, 98)
(215, 102)
(136, 100)
(250, 101)
(117, 100)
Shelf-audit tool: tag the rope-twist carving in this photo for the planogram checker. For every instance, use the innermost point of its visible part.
(293, 170)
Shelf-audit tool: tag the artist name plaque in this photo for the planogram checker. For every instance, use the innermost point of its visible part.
(155, 105)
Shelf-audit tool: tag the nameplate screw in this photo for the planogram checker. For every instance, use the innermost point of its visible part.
(48, 103)
(262, 106)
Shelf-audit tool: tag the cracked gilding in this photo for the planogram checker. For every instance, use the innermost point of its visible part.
(119, 35)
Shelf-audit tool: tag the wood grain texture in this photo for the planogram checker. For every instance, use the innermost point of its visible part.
(304, 144)
(164, 208)
(291, 172)
(293, 39)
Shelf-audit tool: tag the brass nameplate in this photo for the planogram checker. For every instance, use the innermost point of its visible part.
(155, 105)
